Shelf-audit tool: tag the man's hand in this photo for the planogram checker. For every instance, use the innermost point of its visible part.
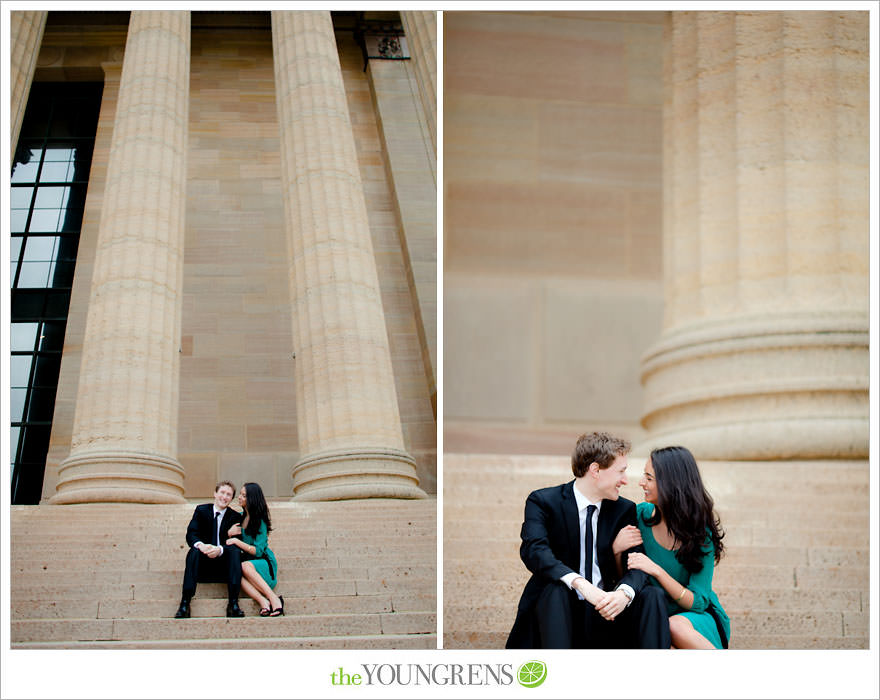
(590, 592)
(627, 538)
(209, 550)
(639, 561)
(610, 605)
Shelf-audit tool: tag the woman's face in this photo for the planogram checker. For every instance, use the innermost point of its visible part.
(242, 498)
(649, 483)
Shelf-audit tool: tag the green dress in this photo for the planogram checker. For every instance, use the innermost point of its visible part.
(264, 559)
(700, 584)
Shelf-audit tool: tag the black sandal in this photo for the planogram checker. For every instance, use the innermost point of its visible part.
(265, 612)
(278, 612)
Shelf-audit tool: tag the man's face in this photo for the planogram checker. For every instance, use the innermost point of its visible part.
(611, 479)
(223, 496)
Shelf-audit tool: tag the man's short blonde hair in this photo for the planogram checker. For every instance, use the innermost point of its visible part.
(224, 483)
(601, 448)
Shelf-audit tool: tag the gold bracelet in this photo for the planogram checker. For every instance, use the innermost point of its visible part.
(683, 589)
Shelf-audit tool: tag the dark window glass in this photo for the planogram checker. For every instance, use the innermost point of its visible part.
(50, 174)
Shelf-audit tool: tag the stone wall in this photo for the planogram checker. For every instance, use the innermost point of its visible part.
(552, 241)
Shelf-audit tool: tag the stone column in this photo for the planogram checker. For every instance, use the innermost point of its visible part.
(124, 443)
(421, 34)
(764, 353)
(351, 443)
(25, 35)
(411, 171)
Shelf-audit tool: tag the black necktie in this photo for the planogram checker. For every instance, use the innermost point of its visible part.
(216, 528)
(588, 546)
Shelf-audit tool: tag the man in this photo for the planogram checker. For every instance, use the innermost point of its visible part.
(576, 597)
(208, 559)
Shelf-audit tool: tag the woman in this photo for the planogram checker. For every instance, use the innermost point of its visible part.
(259, 570)
(682, 540)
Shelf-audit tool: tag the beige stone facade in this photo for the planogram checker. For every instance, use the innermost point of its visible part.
(552, 218)
(231, 325)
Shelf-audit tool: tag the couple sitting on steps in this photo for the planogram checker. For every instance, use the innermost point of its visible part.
(232, 547)
(609, 574)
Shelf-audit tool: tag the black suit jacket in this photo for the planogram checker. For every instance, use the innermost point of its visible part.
(551, 548)
(201, 527)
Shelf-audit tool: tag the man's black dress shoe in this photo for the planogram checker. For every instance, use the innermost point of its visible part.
(232, 610)
(183, 610)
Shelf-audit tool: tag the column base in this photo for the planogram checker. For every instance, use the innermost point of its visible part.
(356, 473)
(119, 477)
(781, 386)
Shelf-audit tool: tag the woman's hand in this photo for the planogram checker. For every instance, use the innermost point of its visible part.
(627, 538)
(234, 540)
(639, 561)
(235, 530)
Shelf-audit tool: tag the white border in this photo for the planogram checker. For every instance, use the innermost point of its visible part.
(283, 674)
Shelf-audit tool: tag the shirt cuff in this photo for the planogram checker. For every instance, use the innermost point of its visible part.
(627, 589)
(568, 579)
(196, 544)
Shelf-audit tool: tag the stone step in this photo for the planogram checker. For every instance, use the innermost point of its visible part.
(834, 578)
(28, 592)
(510, 469)
(378, 507)
(147, 561)
(751, 621)
(382, 641)
(722, 491)
(84, 629)
(496, 640)
(216, 607)
(279, 545)
(462, 517)
(391, 574)
(489, 548)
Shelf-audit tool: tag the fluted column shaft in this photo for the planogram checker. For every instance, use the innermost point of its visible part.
(351, 442)
(124, 445)
(765, 346)
(25, 35)
(420, 27)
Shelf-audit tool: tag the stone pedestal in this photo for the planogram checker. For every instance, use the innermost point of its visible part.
(764, 352)
(351, 444)
(26, 32)
(124, 443)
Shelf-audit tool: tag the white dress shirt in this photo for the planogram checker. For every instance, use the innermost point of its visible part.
(596, 576)
(217, 534)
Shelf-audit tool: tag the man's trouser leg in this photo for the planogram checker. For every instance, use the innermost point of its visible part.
(232, 554)
(553, 614)
(646, 621)
(191, 573)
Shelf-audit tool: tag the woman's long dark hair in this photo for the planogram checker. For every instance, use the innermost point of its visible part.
(685, 506)
(256, 508)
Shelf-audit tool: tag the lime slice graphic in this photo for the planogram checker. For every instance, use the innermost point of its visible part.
(532, 673)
